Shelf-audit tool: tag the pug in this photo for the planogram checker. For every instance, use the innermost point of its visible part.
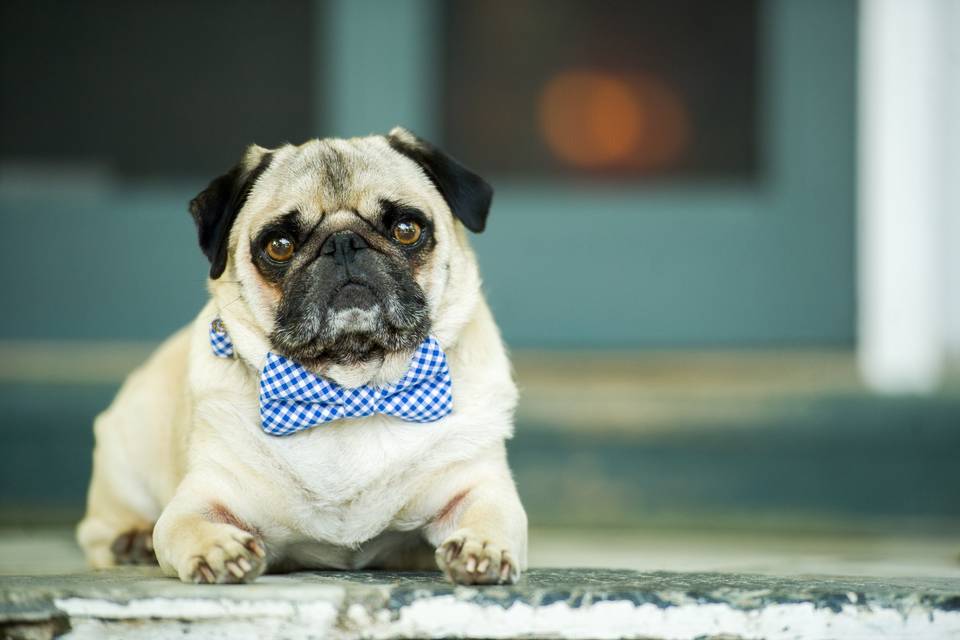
(343, 399)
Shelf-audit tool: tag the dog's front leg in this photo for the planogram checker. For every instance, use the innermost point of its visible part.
(480, 527)
(199, 537)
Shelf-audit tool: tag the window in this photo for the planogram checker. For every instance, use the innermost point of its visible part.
(619, 88)
(173, 88)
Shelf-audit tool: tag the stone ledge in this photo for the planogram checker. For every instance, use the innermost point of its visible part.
(547, 603)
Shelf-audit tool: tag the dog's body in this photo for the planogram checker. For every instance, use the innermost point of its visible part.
(182, 446)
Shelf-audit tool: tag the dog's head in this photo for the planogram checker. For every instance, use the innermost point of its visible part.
(344, 251)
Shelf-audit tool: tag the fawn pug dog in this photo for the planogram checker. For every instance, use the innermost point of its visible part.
(340, 260)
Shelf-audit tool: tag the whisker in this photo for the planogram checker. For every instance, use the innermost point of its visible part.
(231, 302)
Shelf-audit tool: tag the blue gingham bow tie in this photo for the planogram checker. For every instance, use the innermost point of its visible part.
(293, 399)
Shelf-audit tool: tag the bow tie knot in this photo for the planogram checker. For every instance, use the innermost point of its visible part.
(293, 398)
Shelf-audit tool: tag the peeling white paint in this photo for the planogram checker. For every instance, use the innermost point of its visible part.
(191, 608)
(445, 616)
(246, 629)
(454, 617)
(154, 618)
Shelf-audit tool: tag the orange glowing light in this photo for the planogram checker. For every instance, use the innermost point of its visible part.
(596, 120)
(590, 119)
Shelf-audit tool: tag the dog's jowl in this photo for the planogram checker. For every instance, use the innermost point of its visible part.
(342, 400)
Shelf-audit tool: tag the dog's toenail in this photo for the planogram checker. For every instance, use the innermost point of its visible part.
(233, 568)
(208, 574)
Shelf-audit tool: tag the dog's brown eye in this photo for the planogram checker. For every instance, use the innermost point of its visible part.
(406, 232)
(280, 249)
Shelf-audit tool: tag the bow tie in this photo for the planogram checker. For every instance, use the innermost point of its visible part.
(293, 399)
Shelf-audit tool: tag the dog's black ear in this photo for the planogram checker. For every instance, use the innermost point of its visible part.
(467, 194)
(216, 207)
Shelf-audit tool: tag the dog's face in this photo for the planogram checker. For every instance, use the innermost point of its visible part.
(344, 251)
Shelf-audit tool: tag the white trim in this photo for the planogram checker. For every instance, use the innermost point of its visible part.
(950, 33)
(904, 212)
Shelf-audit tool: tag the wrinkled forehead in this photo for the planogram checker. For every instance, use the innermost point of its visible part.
(323, 176)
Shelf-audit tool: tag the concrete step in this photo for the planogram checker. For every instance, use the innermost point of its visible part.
(561, 603)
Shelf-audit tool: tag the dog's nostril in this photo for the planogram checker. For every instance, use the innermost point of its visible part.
(343, 246)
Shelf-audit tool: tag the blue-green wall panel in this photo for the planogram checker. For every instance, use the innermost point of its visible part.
(381, 62)
(764, 263)
(119, 265)
(566, 265)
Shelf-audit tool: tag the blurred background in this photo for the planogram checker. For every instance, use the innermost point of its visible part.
(724, 249)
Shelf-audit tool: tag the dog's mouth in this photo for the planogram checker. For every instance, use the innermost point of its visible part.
(356, 322)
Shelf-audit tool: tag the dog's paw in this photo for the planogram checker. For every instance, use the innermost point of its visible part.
(468, 558)
(134, 547)
(231, 556)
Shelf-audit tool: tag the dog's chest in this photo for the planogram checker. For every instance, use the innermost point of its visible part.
(347, 481)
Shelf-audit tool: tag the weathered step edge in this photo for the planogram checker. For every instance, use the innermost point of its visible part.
(547, 603)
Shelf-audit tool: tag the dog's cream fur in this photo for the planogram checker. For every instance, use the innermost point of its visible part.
(181, 446)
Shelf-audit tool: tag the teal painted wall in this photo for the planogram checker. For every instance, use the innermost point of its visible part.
(565, 265)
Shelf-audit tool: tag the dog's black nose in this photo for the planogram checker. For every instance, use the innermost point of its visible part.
(343, 246)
